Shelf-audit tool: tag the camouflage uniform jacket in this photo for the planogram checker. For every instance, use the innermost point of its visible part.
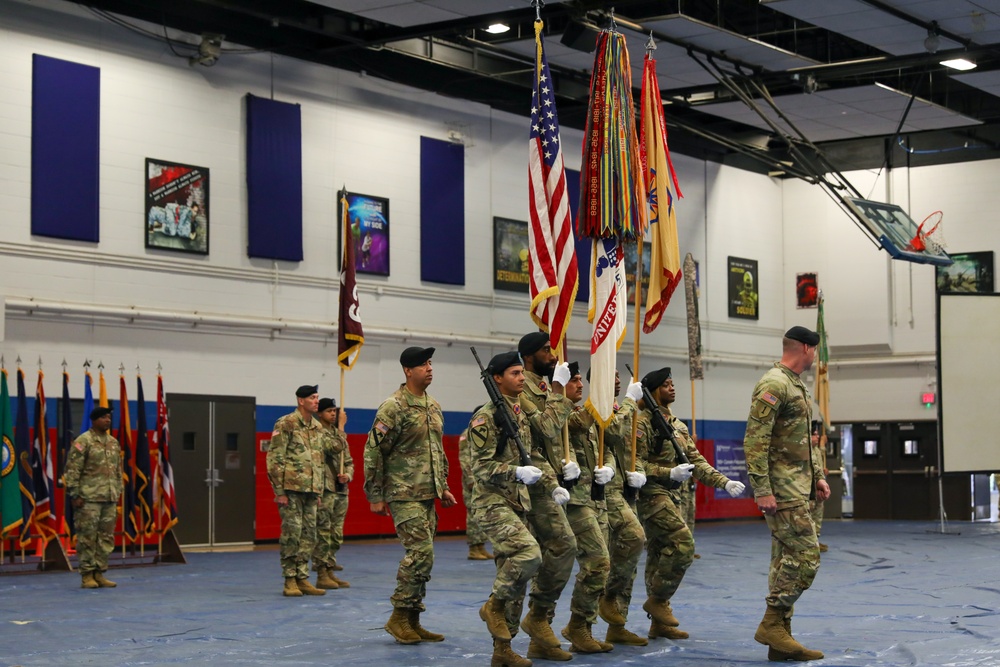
(404, 457)
(584, 437)
(618, 444)
(94, 468)
(658, 464)
(493, 466)
(335, 442)
(295, 459)
(547, 413)
(777, 444)
(465, 461)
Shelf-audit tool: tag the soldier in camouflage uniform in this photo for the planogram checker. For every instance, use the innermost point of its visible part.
(624, 534)
(785, 477)
(406, 470)
(819, 454)
(669, 545)
(475, 536)
(332, 505)
(546, 516)
(93, 480)
(500, 504)
(295, 463)
(588, 516)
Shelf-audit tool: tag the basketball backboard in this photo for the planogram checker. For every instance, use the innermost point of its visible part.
(894, 230)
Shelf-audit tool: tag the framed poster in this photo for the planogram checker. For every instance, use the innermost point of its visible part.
(369, 222)
(970, 272)
(630, 263)
(176, 206)
(743, 297)
(510, 255)
(806, 290)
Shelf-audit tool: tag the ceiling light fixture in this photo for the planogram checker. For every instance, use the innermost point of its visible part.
(498, 28)
(933, 42)
(961, 64)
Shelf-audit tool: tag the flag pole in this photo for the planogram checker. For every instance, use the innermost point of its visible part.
(341, 404)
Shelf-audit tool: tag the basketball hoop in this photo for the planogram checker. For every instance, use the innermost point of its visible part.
(932, 240)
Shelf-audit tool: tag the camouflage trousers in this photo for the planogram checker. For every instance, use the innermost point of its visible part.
(625, 539)
(684, 500)
(95, 534)
(589, 525)
(518, 557)
(474, 533)
(817, 515)
(416, 524)
(329, 529)
(794, 555)
(298, 533)
(669, 545)
(558, 544)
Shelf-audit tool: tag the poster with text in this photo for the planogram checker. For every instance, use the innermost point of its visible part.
(731, 461)
(806, 290)
(510, 255)
(743, 296)
(368, 218)
(176, 207)
(630, 265)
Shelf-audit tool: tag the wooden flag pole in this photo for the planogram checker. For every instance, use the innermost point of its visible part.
(560, 358)
(341, 404)
(694, 418)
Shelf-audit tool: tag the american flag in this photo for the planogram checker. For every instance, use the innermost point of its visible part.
(552, 269)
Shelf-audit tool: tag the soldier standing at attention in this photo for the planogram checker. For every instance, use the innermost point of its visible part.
(295, 470)
(500, 504)
(405, 472)
(332, 505)
(93, 479)
(475, 536)
(546, 516)
(785, 477)
(669, 545)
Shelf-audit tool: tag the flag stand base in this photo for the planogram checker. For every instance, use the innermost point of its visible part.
(170, 549)
(55, 557)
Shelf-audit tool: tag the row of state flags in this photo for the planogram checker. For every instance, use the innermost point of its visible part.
(32, 464)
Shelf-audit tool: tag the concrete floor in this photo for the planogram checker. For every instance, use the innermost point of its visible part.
(888, 593)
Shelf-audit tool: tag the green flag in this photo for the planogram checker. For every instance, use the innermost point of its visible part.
(10, 493)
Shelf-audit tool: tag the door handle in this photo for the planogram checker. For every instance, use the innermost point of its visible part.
(212, 477)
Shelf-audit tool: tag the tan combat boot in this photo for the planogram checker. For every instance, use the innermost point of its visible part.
(775, 655)
(479, 552)
(659, 610)
(337, 567)
(538, 651)
(88, 581)
(657, 629)
(340, 582)
(102, 581)
(605, 645)
(773, 633)
(607, 609)
(536, 625)
(504, 656)
(422, 632)
(578, 634)
(324, 579)
(307, 588)
(617, 634)
(399, 627)
(291, 588)
(492, 612)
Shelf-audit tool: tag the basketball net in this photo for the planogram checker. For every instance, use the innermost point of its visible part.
(930, 235)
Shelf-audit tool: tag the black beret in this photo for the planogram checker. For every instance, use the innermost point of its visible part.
(415, 356)
(533, 342)
(307, 390)
(326, 404)
(588, 374)
(503, 361)
(803, 335)
(654, 379)
(574, 369)
(99, 412)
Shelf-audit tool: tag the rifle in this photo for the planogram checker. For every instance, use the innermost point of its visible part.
(502, 415)
(663, 429)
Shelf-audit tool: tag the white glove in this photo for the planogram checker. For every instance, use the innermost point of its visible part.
(635, 479)
(560, 495)
(682, 472)
(634, 390)
(570, 470)
(603, 474)
(561, 374)
(527, 474)
(735, 489)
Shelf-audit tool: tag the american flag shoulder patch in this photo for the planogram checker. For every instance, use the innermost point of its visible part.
(274, 433)
(381, 428)
(78, 445)
(768, 397)
(478, 421)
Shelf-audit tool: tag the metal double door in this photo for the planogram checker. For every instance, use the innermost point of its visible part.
(212, 450)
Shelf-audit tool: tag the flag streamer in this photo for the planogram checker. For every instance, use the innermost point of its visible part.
(695, 367)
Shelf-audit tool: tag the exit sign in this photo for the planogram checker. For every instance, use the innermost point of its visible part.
(928, 398)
